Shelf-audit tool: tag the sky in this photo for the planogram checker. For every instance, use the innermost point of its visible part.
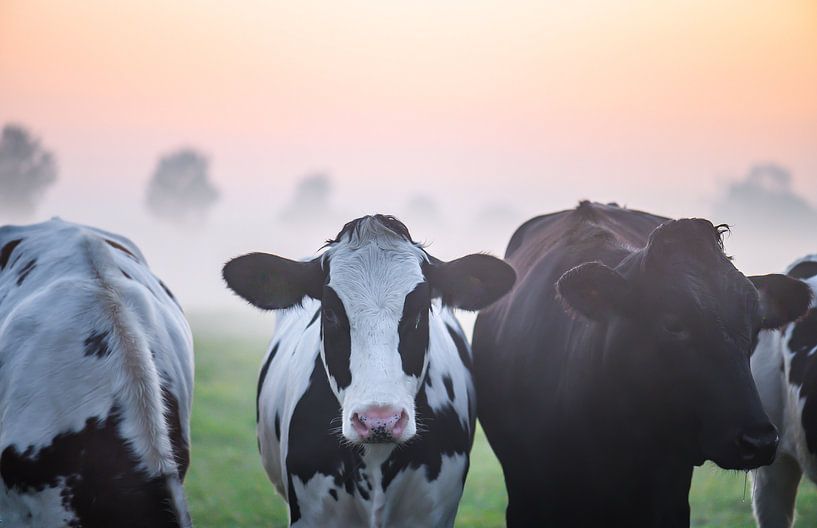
(526, 105)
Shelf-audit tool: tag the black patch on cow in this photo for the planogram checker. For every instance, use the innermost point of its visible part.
(97, 344)
(334, 493)
(25, 270)
(292, 500)
(181, 449)
(413, 329)
(167, 290)
(804, 270)
(261, 377)
(803, 372)
(169, 293)
(277, 424)
(444, 434)
(103, 485)
(121, 248)
(314, 318)
(462, 346)
(337, 338)
(6, 252)
(316, 446)
(449, 386)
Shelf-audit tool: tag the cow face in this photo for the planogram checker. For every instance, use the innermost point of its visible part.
(376, 288)
(680, 324)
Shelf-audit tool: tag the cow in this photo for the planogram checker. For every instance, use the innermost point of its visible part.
(96, 377)
(619, 362)
(785, 369)
(365, 400)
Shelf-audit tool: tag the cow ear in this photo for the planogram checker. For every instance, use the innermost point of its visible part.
(271, 282)
(782, 299)
(594, 290)
(471, 282)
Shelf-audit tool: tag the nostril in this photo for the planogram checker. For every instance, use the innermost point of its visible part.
(400, 425)
(760, 443)
(359, 425)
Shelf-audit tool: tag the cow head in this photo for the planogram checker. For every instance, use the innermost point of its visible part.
(681, 323)
(376, 287)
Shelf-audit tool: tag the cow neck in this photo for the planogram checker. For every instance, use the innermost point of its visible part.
(637, 439)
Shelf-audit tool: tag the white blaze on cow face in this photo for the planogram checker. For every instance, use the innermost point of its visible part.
(375, 296)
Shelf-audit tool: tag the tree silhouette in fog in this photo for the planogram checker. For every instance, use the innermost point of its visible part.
(180, 189)
(765, 200)
(311, 199)
(26, 171)
(423, 208)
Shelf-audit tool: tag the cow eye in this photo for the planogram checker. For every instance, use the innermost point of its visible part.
(330, 317)
(675, 327)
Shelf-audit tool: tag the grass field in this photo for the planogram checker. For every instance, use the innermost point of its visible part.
(227, 487)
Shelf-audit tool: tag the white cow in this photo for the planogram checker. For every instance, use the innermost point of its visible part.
(366, 405)
(96, 378)
(784, 366)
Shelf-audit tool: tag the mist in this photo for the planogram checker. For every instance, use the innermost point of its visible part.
(27, 170)
(294, 214)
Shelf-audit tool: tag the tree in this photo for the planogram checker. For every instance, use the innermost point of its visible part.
(311, 199)
(765, 200)
(26, 171)
(180, 189)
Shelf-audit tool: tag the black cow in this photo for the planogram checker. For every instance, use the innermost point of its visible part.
(619, 361)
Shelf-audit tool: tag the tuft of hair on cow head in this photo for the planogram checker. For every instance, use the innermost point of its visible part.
(695, 237)
(472, 282)
(782, 299)
(595, 291)
(271, 282)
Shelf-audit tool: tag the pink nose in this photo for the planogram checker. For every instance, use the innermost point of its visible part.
(380, 424)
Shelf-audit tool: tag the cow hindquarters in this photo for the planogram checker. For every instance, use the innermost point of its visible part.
(775, 491)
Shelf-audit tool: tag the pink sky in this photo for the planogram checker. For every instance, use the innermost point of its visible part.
(533, 104)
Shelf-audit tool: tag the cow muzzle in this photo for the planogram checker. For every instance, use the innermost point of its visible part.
(757, 446)
(380, 424)
(747, 448)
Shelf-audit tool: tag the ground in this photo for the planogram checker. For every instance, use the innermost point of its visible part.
(226, 485)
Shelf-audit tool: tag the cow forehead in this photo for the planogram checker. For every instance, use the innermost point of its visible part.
(370, 279)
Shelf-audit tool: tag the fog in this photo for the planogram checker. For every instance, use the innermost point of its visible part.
(292, 215)
(27, 169)
(180, 190)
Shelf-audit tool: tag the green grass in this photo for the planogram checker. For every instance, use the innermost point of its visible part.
(227, 487)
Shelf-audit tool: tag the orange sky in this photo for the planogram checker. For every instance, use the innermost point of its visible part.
(531, 105)
(656, 94)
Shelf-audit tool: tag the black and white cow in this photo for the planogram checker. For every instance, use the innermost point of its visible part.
(784, 365)
(366, 405)
(96, 375)
(619, 361)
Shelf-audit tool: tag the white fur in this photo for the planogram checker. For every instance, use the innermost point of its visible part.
(48, 386)
(775, 486)
(372, 274)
